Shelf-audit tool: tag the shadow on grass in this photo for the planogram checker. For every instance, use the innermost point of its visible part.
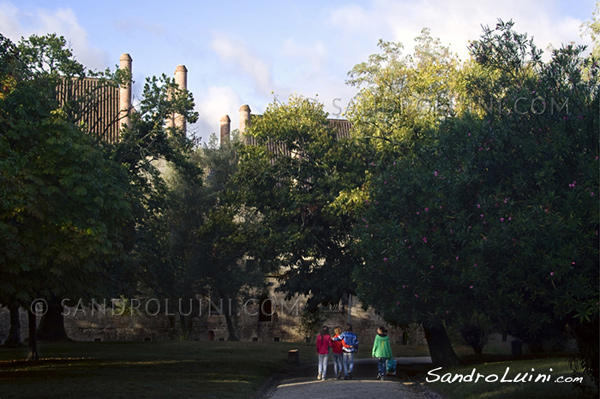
(142, 370)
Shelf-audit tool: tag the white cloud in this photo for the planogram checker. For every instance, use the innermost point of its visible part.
(10, 25)
(455, 23)
(354, 17)
(236, 53)
(16, 23)
(311, 57)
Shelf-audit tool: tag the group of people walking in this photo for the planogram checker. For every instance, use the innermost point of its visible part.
(344, 346)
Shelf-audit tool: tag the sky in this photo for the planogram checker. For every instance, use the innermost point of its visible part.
(256, 52)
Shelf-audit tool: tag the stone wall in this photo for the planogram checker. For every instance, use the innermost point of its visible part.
(279, 322)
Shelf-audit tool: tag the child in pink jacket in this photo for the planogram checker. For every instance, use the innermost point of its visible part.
(323, 345)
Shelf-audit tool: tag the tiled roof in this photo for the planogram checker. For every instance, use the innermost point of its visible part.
(342, 126)
(100, 114)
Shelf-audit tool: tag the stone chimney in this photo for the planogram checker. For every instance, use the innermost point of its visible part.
(244, 121)
(181, 80)
(225, 130)
(125, 93)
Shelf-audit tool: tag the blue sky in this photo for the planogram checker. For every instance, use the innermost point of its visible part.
(247, 52)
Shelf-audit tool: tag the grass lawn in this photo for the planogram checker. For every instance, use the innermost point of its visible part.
(173, 369)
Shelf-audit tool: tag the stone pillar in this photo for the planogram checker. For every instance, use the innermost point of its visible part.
(181, 80)
(244, 121)
(125, 93)
(225, 130)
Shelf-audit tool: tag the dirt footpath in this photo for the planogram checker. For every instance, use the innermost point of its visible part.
(301, 383)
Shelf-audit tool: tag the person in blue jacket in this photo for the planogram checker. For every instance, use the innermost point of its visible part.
(349, 348)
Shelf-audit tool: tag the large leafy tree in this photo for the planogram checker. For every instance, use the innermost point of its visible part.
(82, 217)
(401, 100)
(497, 213)
(64, 212)
(401, 96)
(291, 177)
(209, 238)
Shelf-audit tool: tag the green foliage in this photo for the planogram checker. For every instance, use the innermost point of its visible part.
(209, 236)
(64, 212)
(475, 331)
(497, 211)
(311, 322)
(291, 178)
(401, 97)
(592, 27)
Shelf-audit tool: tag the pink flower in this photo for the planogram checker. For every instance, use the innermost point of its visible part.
(432, 266)
(457, 258)
(435, 173)
(426, 209)
(475, 265)
(505, 200)
(385, 259)
(552, 273)
(481, 215)
(502, 219)
(471, 287)
(478, 206)
(416, 295)
(424, 240)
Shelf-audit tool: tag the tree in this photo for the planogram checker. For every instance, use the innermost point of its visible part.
(209, 237)
(497, 212)
(64, 212)
(79, 212)
(400, 102)
(291, 179)
(592, 27)
(401, 97)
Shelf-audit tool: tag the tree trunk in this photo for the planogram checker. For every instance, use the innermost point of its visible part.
(586, 335)
(14, 333)
(230, 327)
(52, 325)
(440, 349)
(33, 351)
(184, 330)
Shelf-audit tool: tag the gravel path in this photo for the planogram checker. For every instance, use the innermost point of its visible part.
(301, 383)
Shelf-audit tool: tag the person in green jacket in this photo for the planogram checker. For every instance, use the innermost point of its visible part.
(382, 350)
